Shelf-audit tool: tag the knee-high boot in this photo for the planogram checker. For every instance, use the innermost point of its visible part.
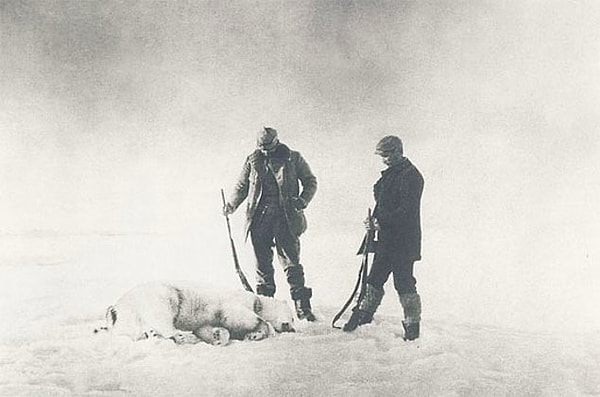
(364, 310)
(301, 297)
(411, 304)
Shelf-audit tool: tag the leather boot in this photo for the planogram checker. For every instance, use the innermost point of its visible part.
(301, 297)
(358, 317)
(411, 331)
(364, 310)
(411, 304)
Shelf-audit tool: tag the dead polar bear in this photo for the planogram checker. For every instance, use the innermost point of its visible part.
(189, 313)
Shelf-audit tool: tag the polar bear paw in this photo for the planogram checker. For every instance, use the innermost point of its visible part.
(220, 336)
(181, 338)
(216, 336)
(259, 333)
(152, 334)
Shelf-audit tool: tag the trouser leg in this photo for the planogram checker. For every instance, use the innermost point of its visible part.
(262, 237)
(288, 252)
(380, 272)
(404, 279)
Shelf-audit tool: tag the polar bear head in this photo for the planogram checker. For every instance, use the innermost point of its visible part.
(277, 313)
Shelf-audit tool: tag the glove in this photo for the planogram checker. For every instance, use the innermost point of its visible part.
(298, 203)
(228, 209)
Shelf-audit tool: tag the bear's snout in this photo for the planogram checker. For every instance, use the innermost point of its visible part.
(287, 327)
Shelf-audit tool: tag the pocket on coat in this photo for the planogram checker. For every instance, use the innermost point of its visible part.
(297, 222)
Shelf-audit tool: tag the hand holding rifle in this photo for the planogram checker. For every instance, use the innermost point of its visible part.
(371, 224)
(227, 208)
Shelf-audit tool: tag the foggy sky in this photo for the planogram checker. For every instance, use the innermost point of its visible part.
(129, 116)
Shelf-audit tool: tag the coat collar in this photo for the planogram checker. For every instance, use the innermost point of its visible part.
(282, 153)
(402, 164)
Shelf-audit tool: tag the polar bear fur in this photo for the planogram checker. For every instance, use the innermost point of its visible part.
(190, 313)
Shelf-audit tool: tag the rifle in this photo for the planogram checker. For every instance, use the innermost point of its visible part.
(236, 262)
(367, 246)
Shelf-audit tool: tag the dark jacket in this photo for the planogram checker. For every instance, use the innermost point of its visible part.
(290, 169)
(397, 209)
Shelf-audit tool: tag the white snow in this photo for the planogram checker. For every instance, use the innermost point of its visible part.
(51, 302)
(121, 121)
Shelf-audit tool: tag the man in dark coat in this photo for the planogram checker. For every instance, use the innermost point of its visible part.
(396, 218)
(270, 180)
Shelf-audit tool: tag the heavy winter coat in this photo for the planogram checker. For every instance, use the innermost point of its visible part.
(290, 170)
(397, 209)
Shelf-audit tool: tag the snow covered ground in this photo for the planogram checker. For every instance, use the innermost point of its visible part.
(120, 121)
(53, 295)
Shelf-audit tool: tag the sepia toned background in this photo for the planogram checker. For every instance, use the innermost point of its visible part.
(120, 122)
